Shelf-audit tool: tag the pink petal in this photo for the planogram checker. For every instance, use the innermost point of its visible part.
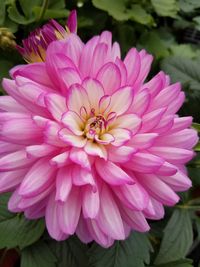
(35, 72)
(52, 219)
(63, 184)
(121, 100)
(155, 210)
(69, 76)
(128, 121)
(181, 124)
(150, 120)
(94, 149)
(69, 212)
(9, 104)
(86, 58)
(51, 134)
(94, 91)
(71, 139)
(133, 196)
(6, 147)
(132, 63)
(121, 136)
(176, 104)
(109, 76)
(105, 139)
(15, 160)
(165, 124)
(122, 68)
(77, 98)
(14, 201)
(121, 154)
(145, 162)
(73, 122)
(135, 219)
(99, 57)
(186, 138)
(72, 21)
(115, 51)
(158, 189)
(37, 151)
(73, 48)
(27, 202)
(98, 235)
(82, 231)
(39, 177)
(156, 84)
(141, 102)
(104, 103)
(14, 129)
(9, 180)
(166, 96)
(60, 160)
(143, 141)
(90, 202)
(166, 169)
(173, 155)
(108, 209)
(145, 66)
(82, 177)
(112, 174)
(178, 182)
(80, 157)
(56, 104)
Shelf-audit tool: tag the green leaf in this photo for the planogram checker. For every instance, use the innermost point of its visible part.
(184, 70)
(197, 22)
(15, 16)
(183, 50)
(139, 14)
(180, 263)
(189, 5)
(119, 11)
(27, 6)
(196, 126)
(133, 252)
(152, 42)
(15, 230)
(177, 239)
(115, 8)
(166, 8)
(58, 4)
(51, 13)
(72, 252)
(38, 255)
(2, 12)
(18, 231)
(4, 213)
(197, 147)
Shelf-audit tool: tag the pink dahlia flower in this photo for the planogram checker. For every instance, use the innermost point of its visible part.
(89, 145)
(35, 46)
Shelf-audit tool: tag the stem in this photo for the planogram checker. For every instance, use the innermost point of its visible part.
(43, 9)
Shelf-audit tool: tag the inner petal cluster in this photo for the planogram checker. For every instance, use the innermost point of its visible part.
(95, 118)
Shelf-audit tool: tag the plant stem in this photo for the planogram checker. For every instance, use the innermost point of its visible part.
(43, 9)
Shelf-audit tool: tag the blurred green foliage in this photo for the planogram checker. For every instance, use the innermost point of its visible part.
(170, 30)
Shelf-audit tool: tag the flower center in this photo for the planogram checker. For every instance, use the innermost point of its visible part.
(95, 126)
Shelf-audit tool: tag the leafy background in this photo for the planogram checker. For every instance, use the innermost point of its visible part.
(170, 30)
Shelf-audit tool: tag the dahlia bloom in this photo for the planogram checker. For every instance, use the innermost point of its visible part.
(89, 145)
(35, 46)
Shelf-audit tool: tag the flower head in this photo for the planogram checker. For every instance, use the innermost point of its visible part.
(89, 145)
(35, 46)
